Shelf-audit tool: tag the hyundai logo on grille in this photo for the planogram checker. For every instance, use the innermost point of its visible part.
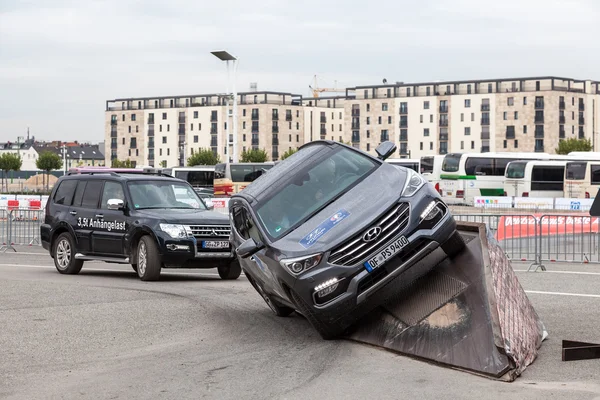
(372, 234)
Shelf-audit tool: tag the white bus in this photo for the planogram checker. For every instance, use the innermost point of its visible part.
(534, 178)
(412, 163)
(201, 177)
(467, 175)
(431, 169)
(582, 179)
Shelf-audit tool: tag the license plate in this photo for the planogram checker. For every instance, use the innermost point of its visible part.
(448, 193)
(215, 244)
(385, 254)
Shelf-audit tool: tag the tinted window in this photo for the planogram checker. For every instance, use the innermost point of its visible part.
(65, 191)
(426, 165)
(220, 171)
(247, 172)
(479, 166)
(92, 194)
(312, 188)
(79, 193)
(451, 162)
(112, 190)
(516, 170)
(576, 170)
(196, 178)
(547, 178)
(595, 170)
(500, 165)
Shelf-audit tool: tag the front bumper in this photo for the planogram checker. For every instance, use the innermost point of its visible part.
(355, 284)
(189, 252)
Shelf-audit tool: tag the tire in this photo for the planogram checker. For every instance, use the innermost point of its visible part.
(148, 259)
(279, 310)
(454, 245)
(230, 271)
(64, 255)
(326, 330)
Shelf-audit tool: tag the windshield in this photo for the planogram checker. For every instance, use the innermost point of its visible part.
(163, 194)
(312, 189)
(516, 170)
(426, 165)
(576, 170)
(197, 178)
(451, 162)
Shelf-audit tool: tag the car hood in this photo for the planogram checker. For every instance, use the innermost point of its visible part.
(186, 216)
(354, 212)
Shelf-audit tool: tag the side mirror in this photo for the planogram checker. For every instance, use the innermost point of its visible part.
(115, 204)
(248, 248)
(385, 149)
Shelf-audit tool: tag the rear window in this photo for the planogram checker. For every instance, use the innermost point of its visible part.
(451, 162)
(197, 178)
(220, 171)
(247, 173)
(576, 170)
(516, 170)
(65, 191)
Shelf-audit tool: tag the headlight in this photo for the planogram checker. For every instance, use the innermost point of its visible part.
(414, 182)
(175, 231)
(299, 265)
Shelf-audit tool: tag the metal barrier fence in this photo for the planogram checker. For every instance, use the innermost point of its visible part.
(20, 227)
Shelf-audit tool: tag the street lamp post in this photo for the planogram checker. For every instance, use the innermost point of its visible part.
(225, 56)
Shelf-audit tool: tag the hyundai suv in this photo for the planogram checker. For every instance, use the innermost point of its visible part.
(330, 226)
(145, 219)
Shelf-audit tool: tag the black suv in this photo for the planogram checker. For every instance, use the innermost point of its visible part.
(146, 219)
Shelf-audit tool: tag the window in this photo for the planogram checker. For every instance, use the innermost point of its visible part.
(462, 117)
(195, 138)
(547, 178)
(158, 194)
(384, 107)
(164, 116)
(524, 101)
(595, 174)
(516, 144)
(431, 118)
(426, 103)
(472, 144)
(92, 194)
(64, 193)
(472, 117)
(467, 103)
(112, 190)
(426, 132)
(129, 127)
(510, 101)
(576, 170)
(467, 130)
(505, 115)
(524, 129)
(421, 146)
(505, 144)
(389, 119)
(421, 118)
(462, 145)
(196, 113)
(430, 145)
(133, 117)
(164, 139)
(79, 193)
(516, 115)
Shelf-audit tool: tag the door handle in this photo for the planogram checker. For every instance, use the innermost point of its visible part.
(252, 259)
(73, 212)
(99, 215)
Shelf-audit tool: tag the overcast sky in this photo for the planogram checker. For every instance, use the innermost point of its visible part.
(60, 60)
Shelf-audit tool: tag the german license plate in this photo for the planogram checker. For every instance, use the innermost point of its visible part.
(215, 244)
(385, 254)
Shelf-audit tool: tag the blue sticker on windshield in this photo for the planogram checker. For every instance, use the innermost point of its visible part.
(325, 226)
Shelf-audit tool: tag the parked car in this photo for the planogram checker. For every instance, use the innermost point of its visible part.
(145, 219)
(331, 225)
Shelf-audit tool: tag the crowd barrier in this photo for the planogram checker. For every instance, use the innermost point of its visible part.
(20, 227)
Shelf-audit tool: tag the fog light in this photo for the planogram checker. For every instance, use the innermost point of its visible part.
(327, 287)
(174, 247)
(430, 212)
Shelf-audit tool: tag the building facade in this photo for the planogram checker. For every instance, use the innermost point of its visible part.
(521, 114)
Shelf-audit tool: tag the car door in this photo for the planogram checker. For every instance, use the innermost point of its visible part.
(83, 211)
(109, 229)
(60, 205)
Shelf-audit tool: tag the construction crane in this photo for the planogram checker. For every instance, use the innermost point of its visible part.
(316, 89)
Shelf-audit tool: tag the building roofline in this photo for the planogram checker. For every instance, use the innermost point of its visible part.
(205, 95)
(472, 81)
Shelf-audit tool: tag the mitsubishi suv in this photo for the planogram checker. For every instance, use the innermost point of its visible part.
(330, 226)
(143, 218)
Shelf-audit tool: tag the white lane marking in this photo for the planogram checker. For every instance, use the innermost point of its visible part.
(562, 272)
(103, 269)
(25, 253)
(564, 294)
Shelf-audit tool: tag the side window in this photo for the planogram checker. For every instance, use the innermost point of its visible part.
(65, 191)
(253, 231)
(239, 222)
(79, 193)
(91, 196)
(112, 190)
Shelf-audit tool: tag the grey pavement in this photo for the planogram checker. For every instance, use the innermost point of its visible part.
(103, 334)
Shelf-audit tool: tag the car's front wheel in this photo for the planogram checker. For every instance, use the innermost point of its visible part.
(454, 245)
(230, 271)
(328, 331)
(279, 310)
(64, 255)
(148, 259)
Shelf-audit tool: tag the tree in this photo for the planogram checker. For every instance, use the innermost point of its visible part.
(48, 161)
(9, 162)
(121, 164)
(254, 155)
(288, 153)
(568, 145)
(203, 157)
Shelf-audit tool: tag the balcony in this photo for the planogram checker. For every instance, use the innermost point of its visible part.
(539, 149)
(581, 121)
(356, 125)
(213, 142)
(182, 130)
(213, 118)
(539, 104)
(113, 121)
(213, 131)
(150, 143)
(539, 134)
(443, 122)
(510, 134)
(275, 129)
(485, 149)
(254, 141)
(113, 134)
(581, 134)
(581, 107)
(182, 120)
(403, 110)
(275, 141)
(443, 136)
(323, 131)
(113, 145)
(485, 121)
(485, 135)
(275, 117)
(561, 120)
(443, 151)
(230, 138)
(403, 137)
(254, 116)
(275, 155)
(561, 105)
(323, 120)
(485, 107)
(403, 123)
(288, 117)
(443, 109)
(539, 119)
(150, 156)
(561, 133)
(356, 112)
(355, 139)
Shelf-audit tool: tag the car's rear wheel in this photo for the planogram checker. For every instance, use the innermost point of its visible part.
(230, 271)
(327, 331)
(454, 245)
(148, 259)
(64, 255)
(279, 310)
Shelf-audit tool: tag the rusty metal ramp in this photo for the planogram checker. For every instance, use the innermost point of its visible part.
(469, 313)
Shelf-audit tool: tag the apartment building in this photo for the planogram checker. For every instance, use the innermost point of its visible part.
(519, 114)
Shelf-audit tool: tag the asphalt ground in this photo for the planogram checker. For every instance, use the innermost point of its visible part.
(104, 334)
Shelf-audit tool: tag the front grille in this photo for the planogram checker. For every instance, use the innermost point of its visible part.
(355, 249)
(210, 231)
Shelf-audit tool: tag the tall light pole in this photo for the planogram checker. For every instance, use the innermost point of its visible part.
(225, 56)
